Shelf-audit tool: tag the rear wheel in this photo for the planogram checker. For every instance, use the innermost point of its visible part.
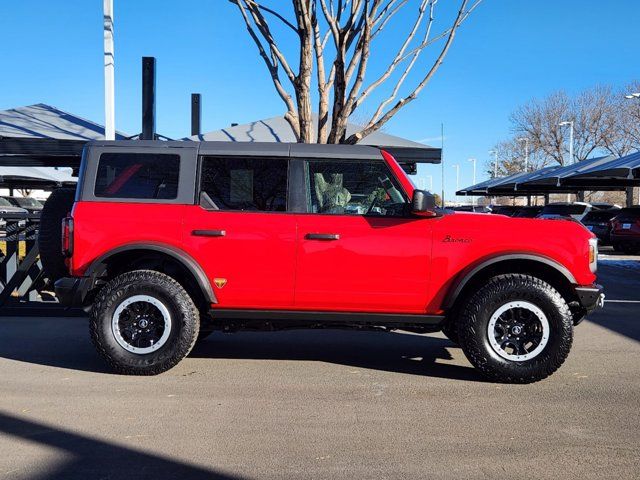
(143, 323)
(516, 329)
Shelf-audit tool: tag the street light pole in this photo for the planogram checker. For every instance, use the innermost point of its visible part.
(495, 162)
(629, 190)
(570, 123)
(109, 108)
(473, 160)
(526, 152)
(457, 167)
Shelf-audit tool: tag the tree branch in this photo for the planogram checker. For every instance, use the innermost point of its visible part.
(374, 124)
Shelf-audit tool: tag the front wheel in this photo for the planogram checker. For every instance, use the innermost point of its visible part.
(143, 323)
(516, 329)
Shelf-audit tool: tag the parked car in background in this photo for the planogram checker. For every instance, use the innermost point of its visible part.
(529, 212)
(472, 208)
(599, 222)
(625, 230)
(7, 208)
(576, 210)
(28, 203)
(508, 210)
(605, 206)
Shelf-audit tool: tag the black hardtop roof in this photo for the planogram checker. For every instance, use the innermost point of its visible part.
(252, 148)
(404, 155)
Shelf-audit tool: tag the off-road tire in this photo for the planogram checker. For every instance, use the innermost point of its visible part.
(478, 309)
(450, 330)
(56, 208)
(185, 320)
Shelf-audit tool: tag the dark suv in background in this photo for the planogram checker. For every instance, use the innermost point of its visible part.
(599, 222)
(625, 230)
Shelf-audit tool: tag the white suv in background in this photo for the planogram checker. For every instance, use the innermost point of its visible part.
(576, 210)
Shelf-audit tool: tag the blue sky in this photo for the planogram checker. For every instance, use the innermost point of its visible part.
(506, 53)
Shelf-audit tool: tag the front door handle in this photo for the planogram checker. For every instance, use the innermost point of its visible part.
(322, 236)
(209, 233)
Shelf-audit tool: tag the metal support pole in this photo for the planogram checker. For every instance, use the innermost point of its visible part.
(442, 160)
(196, 113)
(457, 167)
(473, 160)
(629, 191)
(148, 98)
(109, 83)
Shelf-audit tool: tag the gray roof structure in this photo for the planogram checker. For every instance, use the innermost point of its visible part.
(483, 188)
(45, 121)
(600, 173)
(623, 168)
(36, 177)
(278, 130)
(559, 180)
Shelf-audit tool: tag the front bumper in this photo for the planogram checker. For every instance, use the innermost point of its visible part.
(590, 297)
(71, 291)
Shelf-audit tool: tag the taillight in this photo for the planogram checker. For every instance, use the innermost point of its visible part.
(67, 237)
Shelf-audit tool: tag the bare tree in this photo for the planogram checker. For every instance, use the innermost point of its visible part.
(592, 113)
(336, 38)
(539, 120)
(624, 117)
(511, 158)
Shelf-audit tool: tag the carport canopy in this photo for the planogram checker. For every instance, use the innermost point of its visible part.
(594, 174)
(621, 171)
(36, 177)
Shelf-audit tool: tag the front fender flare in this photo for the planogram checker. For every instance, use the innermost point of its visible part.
(465, 276)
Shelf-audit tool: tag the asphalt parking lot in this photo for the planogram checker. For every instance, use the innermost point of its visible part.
(322, 404)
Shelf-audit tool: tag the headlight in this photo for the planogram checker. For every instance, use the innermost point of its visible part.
(593, 254)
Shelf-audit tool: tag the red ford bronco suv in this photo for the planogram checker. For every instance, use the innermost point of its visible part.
(168, 241)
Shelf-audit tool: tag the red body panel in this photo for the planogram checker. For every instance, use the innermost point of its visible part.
(463, 240)
(264, 261)
(378, 264)
(256, 256)
(100, 227)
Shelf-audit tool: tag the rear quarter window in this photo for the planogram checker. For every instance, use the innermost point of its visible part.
(137, 176)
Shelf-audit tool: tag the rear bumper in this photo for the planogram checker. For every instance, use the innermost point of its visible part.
(71, 291)
(590, 297)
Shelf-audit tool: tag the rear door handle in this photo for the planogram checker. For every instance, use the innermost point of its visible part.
(322, 236)
(209, 233)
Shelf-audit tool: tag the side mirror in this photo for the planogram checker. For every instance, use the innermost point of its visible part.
(423, 203)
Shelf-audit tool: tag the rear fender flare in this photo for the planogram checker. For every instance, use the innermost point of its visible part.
(97, 266)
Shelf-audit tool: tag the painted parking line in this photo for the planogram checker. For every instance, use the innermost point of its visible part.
(621, 301)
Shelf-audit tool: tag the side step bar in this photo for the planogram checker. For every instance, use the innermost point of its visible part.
(326, 317)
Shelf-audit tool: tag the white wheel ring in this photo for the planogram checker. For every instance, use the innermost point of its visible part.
(527, 306)
(115, 327)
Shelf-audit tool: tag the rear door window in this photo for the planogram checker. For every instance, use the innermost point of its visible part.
(245, 183)
(137, 176)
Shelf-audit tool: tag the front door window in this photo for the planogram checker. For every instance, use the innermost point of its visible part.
(353, 188)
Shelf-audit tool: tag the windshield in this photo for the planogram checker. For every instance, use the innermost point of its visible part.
(5, 203)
